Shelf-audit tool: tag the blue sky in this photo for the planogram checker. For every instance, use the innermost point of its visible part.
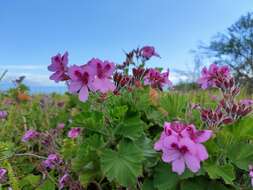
(31, 31)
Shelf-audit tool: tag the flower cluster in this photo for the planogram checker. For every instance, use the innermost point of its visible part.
(182, 144)
(94, 76)
(147, 52)
(30, 135)
(51, 161)
(74, 132)
(3, 114)
(214, 76)
(228, 110)
(157, 79)
(3, 175)
(49, 143)
(104, 76)
(59, 67)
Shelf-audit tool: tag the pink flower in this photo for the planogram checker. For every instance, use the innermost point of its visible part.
(51, 161)
(247, 102)
(3, 114)
(209, 77)
(74, 133)
(148, 51)
(103, 74)
(59, 67)
(157, 79)
(3, 176)
(81, 80)
(181, 144)
(29, 135)
(64, 181)
(60, 126)
(180, 151)
(251, 174)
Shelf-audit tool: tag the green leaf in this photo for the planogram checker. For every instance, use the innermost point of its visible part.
(192, 185)
(68, 148)
(241, 155)
(226, 172)
(86, 177)
(145, 145)
(164, 178)
(118, 112)
(32, 180)
(243, 128)
(213, 185)
(155, 116)
(147, 185)
(212, 147)
(94, 141)
(175, 104)
(124, 165)
(131, 128)
(90, 120)
(46, 185)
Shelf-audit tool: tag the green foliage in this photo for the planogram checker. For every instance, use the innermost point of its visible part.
(115, 149)
(164, 178)
(123, 165)
(226, 172)
(131, 128)
(241, 155)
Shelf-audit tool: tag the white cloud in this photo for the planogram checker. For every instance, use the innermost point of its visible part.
(23, 67)
(35, 79)
(36, 75)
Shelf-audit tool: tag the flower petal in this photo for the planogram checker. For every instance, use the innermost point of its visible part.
(203, 136)
(178, 166)
(74, 86)
(192, 162)
(170, 155)
(83, 94)
(201, 152)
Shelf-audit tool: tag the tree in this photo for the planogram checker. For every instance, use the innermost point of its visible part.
(235, 48)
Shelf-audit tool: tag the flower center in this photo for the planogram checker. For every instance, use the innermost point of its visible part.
(83, 77)
(102, 71)
(183, 149)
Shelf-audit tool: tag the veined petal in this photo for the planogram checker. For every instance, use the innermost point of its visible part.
(83, 94)
(203, 135)
(201, 152)
(74, 86)
(170, 155)
(192, 162)
(178, 166)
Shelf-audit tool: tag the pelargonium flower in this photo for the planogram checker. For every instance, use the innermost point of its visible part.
(81, 80)
(157, 79)
(3, 176)
(3, 114)
(251, 174)
(51, 161)
(181, 144)
(59, 67)
(180, 152)
(209, 77)
(64, 181)
(148, 51)
(60, 126)
(103, 74)
(29, 135)
(247, 102)
(74, 133)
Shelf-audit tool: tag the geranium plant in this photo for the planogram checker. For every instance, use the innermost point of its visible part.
(122, 126)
